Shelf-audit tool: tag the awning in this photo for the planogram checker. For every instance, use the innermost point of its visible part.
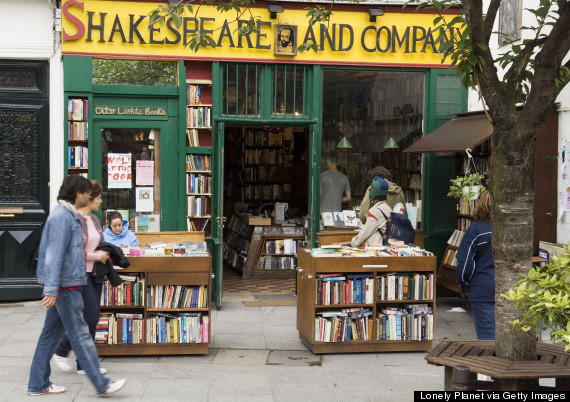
(455, 136)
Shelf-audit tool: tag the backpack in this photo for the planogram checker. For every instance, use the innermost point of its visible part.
(398, 227)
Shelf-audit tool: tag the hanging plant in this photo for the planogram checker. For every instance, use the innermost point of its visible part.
(466, 187)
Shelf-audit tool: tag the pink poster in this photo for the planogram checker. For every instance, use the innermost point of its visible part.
(145, 173)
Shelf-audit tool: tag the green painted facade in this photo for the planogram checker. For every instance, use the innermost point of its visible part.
(444, 97)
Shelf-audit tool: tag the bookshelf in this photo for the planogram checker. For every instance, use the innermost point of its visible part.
(237, 235)
(199, 181)
(264, 258)
(157, 318)
(77, 135)
(375, 298)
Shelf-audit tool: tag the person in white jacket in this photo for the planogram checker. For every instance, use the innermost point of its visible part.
(377, 216)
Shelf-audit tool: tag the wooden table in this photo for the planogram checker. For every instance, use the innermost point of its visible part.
(479, 356)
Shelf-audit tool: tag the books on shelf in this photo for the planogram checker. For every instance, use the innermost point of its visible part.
(77, 157)
(405, 287)
(344, 325)
(198, 162)
(175, 296)
(456, 237)
(340, 289)
(178, 328)
(198, 116)
(410, 322)
(128, 293)
(198, 206)
(77, 109)
(198, 183)
(193, 94)
(77, 130)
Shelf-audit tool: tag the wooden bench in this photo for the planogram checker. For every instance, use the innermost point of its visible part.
(479, 357)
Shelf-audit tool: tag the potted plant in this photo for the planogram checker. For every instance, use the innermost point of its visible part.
(466, 187)
(543, 297)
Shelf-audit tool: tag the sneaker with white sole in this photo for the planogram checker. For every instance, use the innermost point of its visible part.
(53, 389)
(102, 370)
(115, 386)
(62, 363)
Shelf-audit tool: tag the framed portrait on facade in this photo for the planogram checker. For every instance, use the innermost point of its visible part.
(510, 20)
(285, 40)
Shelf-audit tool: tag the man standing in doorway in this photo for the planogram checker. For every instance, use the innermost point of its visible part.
(61, 271)
(335, 188)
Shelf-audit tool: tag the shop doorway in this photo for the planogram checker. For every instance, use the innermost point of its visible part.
(265, 200)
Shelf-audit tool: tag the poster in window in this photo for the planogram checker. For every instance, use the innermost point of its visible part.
(119, 170)
(145, 199)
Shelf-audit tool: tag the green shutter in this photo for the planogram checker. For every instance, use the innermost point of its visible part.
(445, 98)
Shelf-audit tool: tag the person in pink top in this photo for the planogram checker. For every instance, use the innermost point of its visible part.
(92, 237)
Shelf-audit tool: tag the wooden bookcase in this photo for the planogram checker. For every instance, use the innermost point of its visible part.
(237, 235)
(307, 309)
(153, 271)
(255, 264)
(199, 179)
(77, 112)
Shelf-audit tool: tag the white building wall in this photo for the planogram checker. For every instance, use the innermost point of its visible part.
(563, 101)
(27, 33)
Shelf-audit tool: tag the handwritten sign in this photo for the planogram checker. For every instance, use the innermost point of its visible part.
(119, 168)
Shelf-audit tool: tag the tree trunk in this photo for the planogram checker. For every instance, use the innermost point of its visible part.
(512, 197)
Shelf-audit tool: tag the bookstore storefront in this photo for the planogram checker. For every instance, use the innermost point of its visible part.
(185, 140)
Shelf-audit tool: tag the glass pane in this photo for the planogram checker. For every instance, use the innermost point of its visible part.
(288, 85)
(135, 72)
(369, 108)
(241, 87)
(121, 190)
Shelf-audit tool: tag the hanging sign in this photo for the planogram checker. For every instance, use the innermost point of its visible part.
(119, 168)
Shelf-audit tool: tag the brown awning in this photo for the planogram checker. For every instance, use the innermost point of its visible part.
(455, 136)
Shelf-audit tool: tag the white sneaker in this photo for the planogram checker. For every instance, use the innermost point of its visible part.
(102, 370)
(53, 389)
(62, 363)
(115, 385)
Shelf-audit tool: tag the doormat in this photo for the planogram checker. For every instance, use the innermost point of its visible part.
(267, 303)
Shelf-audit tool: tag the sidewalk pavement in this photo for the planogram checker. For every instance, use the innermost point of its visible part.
(255, 355)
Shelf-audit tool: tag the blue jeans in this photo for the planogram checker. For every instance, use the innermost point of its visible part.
(91, 308)
(484, 319)
(66, 316)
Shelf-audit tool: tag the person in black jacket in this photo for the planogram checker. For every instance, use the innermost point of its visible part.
(476, 269)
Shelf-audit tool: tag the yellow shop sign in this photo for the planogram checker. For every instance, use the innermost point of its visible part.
(121, 29)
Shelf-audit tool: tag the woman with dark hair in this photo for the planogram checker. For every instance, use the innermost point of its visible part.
(91, 292)
(476, 269)
(117, 232)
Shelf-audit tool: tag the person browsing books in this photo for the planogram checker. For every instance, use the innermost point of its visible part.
(61, 272)
(376, 219)
(395, 194)
(117, 232)
(476, 269)
(91, 292)
(335, 188)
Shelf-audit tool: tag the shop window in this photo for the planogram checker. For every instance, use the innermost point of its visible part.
(288, 89)
(135, 72)
(241, 88)
(282, 89)
(378, 114)
(131, 172)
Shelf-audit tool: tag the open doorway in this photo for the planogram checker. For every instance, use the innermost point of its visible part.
(265, 199)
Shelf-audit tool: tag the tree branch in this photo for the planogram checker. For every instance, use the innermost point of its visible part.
(492, 12)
